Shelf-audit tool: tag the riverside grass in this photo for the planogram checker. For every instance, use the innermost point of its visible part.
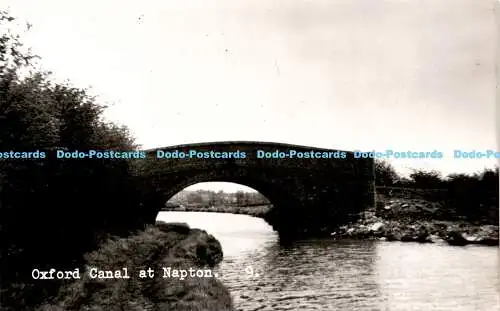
(158, 246)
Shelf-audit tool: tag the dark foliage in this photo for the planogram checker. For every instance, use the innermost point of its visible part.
(51, 209)
(426, 179)
(385, 174)
(471, 197)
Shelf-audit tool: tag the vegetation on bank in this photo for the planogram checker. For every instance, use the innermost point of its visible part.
(161, 246)
(465, 197)
(460, 209)
(255, 211)
(54, 210)
(219, 198)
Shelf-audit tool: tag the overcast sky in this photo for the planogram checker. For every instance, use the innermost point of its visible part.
(354, 74)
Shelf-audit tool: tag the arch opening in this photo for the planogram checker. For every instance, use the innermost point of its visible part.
(219, 197)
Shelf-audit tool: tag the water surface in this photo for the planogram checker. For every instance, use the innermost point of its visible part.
(346, 275)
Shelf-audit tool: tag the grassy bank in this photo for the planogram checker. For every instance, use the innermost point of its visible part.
(161, 246)
(255, 211)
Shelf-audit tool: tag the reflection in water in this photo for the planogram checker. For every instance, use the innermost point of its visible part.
(346, 275)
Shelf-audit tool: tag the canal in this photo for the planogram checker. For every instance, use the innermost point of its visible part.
(346, 275)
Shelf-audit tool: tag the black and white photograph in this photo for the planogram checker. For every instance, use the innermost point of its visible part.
(264, 155)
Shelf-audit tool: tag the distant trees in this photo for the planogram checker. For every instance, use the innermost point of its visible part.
(426, 179)
(386, 175)
(212, 198)
(220, 198)
(473, 196)
(194, 197)
(253, 198)
(240, 198)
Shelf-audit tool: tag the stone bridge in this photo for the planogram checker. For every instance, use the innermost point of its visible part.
(311, 189)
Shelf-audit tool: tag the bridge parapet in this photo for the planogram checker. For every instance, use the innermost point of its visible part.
(251, 157)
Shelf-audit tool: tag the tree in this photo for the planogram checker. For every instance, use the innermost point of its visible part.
(12, 56)
(426, 179)
(51, 209)
(385, 174)
(240, 197)
(212, 198)
(221, 197)
(475, 196)
(194, 197)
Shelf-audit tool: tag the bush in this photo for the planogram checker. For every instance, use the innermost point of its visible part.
(426, 179)
(472, 197)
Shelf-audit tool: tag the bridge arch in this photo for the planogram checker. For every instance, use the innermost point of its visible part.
(307, 194)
